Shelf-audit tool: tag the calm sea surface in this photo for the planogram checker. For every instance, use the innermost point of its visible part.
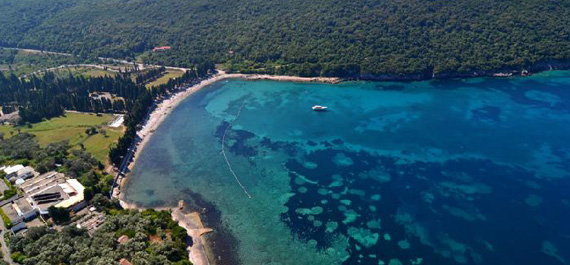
(438, 172)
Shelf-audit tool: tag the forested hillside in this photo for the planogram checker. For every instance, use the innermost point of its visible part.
(320, 37)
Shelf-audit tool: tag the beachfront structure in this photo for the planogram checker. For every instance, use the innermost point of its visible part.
(53, 189)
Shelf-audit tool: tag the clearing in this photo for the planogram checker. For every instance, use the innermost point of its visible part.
(72, 127)
(164, 78)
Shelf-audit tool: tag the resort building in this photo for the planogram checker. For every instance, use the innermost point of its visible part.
(53, 189)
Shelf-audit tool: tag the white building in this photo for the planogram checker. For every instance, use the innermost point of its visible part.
(53, 189)
(12, 170)
(19, 172)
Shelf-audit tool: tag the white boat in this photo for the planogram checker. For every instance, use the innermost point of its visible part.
(319, 108)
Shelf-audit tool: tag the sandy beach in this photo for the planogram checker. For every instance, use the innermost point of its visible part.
(166, 106)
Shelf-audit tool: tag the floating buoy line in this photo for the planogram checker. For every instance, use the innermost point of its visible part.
(226, 157)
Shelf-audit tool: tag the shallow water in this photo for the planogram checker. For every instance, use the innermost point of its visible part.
(470, 171)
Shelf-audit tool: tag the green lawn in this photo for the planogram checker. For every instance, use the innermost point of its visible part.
(85, 72)
(164, 79)
(72, 127)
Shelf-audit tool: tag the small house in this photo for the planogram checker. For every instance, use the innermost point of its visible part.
(162, 48)
(19, 172)
(123, 239)
(124, 261)
(12, 170)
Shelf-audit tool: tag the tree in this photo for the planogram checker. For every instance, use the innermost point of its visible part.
(59, 215)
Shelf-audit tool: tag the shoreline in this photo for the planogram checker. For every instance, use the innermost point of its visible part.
(163, 109)
(159, 114)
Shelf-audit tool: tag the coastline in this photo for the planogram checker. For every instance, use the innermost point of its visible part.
(197, 253)
(163, 109)
(166, 106)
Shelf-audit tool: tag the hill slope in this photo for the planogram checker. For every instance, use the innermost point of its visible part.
(321, 37)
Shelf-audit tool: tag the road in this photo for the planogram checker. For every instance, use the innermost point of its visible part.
(143, 66)
(38, 51)
(98, 66)
(5, 251)
(139, 66)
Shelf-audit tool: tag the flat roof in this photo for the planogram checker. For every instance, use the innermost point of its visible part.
(11, 169)
(42, 182)
(23, 205)
(45, 184)
(3, 186)
(52, 189)
(73, 199)
(10, 212)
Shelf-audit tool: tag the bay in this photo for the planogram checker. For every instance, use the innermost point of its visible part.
(473, 171)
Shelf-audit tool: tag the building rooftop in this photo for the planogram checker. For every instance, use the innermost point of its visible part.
(3, 186)
(74, 191)
(123, 239)
(44, 191)
(11, 213)
(124, 261)
(19, 210)
(12, 169)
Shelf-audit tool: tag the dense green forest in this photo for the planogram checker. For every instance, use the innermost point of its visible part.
(322, 37)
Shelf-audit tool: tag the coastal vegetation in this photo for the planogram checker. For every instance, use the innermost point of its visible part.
(144, 102)
(153, 238)
(23, 148)
(307, 38)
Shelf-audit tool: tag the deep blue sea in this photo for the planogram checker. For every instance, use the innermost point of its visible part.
(473, 171)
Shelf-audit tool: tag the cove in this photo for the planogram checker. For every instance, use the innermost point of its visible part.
(461, 171)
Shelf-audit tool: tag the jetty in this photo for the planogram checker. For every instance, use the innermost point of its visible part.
(195, 229)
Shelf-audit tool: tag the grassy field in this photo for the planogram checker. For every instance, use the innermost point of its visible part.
(72, 127)
(84, 71)
(164, 79)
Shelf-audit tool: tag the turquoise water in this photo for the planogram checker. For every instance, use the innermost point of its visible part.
(470, 171)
